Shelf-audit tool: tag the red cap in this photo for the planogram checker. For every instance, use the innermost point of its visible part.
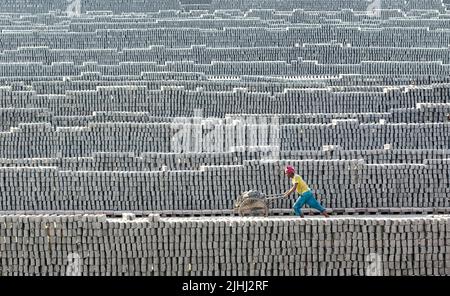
(289, 170)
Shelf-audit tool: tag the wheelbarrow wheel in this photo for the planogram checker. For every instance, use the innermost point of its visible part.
(253, 207)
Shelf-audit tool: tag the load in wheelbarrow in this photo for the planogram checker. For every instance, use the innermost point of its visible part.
(254, 203)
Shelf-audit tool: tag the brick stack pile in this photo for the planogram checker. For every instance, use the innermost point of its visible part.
(338, 183)
(95, 245)
(180, 106)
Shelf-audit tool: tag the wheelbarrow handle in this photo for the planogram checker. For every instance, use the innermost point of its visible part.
(274, 196)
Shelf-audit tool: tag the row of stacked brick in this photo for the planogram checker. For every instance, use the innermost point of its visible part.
(323, 54)
(356, 5)
(230, 68)
(197, 81)
(268, 18)
(44, 6)
(95, 245)
(350, 134)
(176, 101)
(41, 140)
(337, 183)
(28, 6)
(286, 36)
(156, 161)
(423, 113)
(290, 16)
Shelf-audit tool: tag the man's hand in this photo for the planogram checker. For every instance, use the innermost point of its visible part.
(289, 192)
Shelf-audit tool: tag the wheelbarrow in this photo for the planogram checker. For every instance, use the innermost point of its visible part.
(254, 203)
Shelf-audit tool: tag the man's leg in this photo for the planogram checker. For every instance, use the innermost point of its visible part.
(314, 203)
(301, 200)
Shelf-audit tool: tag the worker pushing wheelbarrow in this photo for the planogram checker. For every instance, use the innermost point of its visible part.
(254, 203)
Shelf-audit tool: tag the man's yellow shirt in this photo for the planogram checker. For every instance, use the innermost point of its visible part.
(302, 187)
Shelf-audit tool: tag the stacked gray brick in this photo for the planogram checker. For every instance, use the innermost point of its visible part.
(174, 102)
(230, 37)
(46, 245)
(348, 63)
(423, 113)
(164, 137)
(338, 183)
(193, 81)
(232, 68)
(156, 161)
(28, 6)
(325, 54)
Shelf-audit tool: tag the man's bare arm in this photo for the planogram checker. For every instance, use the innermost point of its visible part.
(289, 192)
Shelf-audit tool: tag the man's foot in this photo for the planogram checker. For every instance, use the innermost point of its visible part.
(324, 213)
